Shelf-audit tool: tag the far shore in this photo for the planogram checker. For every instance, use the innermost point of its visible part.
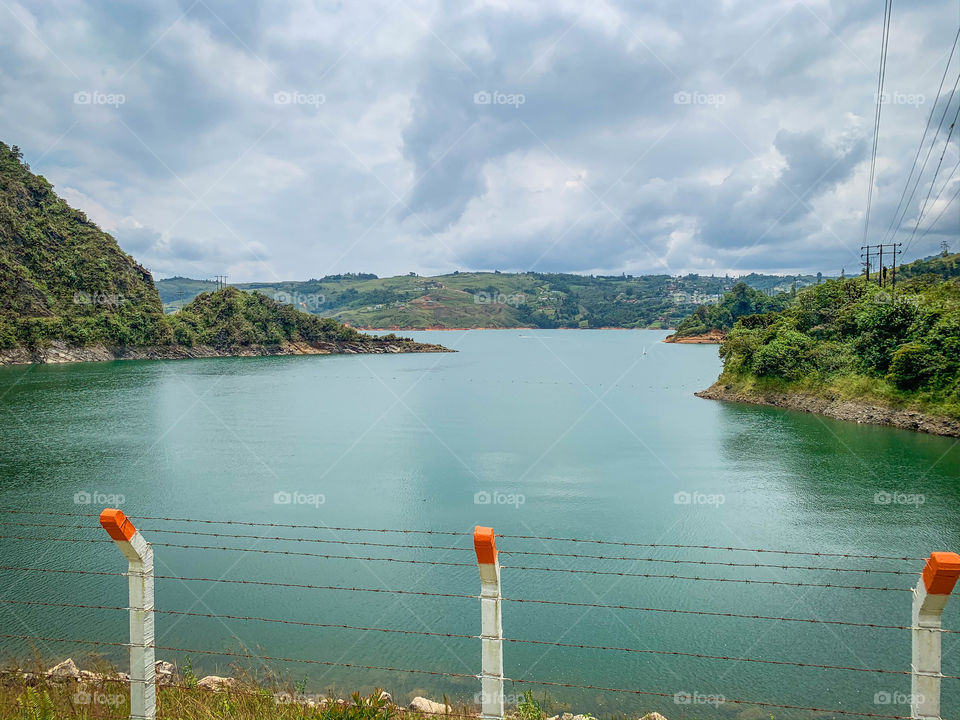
(462, 329)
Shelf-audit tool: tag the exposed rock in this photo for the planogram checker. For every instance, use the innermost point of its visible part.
(60, 352)
(67, 669)
(165, 672)
(385, 696)
(422, 704)
(653, 716)
(215, 682)
(851, 410)
(711, 337)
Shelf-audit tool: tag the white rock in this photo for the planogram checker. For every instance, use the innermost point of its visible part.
(653, 716)
(385, 696)
(215, 682)
(67, 669)
(422, 704)
(165, 672)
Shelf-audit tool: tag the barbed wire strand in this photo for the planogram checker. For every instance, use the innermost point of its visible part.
(456, 564)
(467, 534)
(523, 641)
(474, 597)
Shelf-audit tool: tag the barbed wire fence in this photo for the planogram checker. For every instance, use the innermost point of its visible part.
(937, 576)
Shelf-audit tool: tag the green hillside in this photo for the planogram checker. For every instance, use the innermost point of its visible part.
(493, 299)
(740, 301)
(61, 277)
(230, 318)
(852, 339)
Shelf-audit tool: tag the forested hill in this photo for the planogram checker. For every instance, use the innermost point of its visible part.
(742, 300)
(493, 299)
(65, 285)
(850, 339)
(61, 277)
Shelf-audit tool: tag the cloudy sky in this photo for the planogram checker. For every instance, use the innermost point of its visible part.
(289, 140)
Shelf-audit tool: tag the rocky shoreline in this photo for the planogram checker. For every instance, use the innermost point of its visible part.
(86, 682)
(838, 408)
(713, 337)
(60, 352)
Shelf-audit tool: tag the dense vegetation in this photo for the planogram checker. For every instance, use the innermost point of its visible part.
(493, 299)
(852, 338)
(231, 318)
(61, 277)
(742, 300)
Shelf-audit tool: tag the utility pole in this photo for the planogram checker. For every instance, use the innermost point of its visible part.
(865, 256)
(893, 284)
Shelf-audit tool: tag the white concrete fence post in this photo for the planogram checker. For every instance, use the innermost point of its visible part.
(139, 554)
(929, 599)
(491, 627)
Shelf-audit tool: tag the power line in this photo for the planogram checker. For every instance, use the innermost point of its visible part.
(926, 158)
(885, 41)
(933, 181)
(940, 214)
(913, 165)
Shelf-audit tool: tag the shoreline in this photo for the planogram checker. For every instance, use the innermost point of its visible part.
(860, 412)
(59, 352)
(713, 337)
(519, 327)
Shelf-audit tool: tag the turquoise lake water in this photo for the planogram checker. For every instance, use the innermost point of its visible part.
(573, 434)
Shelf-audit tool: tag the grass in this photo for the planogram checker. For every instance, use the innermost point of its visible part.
(109, 700)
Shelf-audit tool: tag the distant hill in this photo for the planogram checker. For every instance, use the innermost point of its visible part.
(714, 320)
(493, 299)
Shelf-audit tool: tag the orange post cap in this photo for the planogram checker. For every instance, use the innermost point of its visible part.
(117, 525)
(485, 545)
(941, 572)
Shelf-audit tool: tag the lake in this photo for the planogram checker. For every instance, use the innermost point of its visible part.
(570, 434)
